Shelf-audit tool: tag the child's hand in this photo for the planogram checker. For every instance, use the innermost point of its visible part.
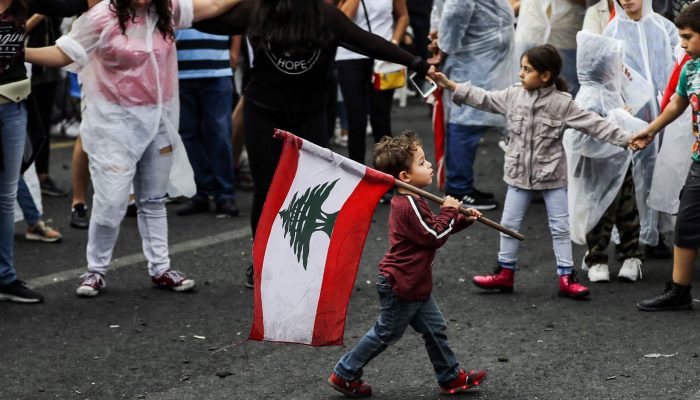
(451, 202)
(474, 212)
(640, 140)
(444, 82)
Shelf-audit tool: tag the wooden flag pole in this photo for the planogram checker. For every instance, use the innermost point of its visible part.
(463, 210)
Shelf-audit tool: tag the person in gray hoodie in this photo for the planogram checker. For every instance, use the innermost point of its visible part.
(537, 111)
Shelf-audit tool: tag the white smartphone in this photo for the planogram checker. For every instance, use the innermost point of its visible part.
(423, 85)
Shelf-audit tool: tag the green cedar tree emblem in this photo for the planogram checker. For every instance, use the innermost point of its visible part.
(304, 216)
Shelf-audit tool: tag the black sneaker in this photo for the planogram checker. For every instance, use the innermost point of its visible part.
(49, 188)
(249, 281)
(18, 292)
(469, 200)
(660, 251)
(227, 208)
(193, 207)
(481, 195)
(675, 297)
(78, 217)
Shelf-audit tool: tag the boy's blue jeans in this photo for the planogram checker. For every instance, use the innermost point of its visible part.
(394, 317)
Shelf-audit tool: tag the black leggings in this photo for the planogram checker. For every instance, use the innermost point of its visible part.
(355, 78)
(264, 150)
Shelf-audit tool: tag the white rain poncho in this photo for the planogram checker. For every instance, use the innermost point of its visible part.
(596, 170)
(649, 49)
(130, 87)
(478, 36)
(548, 21)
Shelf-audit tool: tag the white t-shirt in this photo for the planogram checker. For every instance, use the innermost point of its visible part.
(381, 20)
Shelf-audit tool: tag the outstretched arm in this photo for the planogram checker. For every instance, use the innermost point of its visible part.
(60, 8)
(360, 41)
(674, 110)
(232, 22)
(50, 56)
(205, 9)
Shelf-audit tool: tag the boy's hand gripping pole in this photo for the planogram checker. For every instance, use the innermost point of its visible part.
(462, 210)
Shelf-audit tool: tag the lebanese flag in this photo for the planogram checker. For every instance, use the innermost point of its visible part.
(309, 241)
(439, 134)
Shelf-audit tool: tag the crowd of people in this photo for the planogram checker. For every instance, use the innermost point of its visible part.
(578, 92)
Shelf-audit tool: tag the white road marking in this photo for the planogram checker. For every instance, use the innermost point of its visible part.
(136, 258)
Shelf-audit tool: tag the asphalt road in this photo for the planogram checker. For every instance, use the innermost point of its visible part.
(136, 342)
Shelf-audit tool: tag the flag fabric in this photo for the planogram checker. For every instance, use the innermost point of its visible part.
(439, 134)
(309, 242)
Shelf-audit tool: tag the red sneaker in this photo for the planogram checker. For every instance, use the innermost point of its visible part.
(173, 280)
(501, 280)
(354, 388)
(463, 381)
(571, 288)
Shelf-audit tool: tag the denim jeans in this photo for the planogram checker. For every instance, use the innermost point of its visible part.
(26, 203)
(460, 153)
(13, 130)
(514, 209)
(150, 185)
(205, 128)
(394, 317)
(568, 70)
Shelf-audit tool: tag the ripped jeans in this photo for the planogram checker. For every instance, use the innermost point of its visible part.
(150, 185)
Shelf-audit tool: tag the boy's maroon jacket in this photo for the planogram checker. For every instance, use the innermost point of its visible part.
(415, 233)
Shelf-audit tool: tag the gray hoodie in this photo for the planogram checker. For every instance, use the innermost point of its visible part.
(536, 120)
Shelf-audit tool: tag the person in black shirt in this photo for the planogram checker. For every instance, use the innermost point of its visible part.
(294, 43)
(14, 88)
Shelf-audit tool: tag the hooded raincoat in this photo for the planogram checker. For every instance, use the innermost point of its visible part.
(596, 169)
(130, 87)
(649, 48)
(478, 37)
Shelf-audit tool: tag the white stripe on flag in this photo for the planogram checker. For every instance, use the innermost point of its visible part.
(289, 293)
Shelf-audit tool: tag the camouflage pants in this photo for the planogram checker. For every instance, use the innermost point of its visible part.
(622, 213)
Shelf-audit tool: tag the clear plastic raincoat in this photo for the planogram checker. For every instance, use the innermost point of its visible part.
(130, 87)
(478, 37)
(649, 51)
(548, 21)
(596, 170)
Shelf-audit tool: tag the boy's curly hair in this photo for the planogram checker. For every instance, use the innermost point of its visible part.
(395, 154)
(689, 18)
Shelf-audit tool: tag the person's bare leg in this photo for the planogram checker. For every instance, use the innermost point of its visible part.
(237, 128)
(80, 174)
(683, 261)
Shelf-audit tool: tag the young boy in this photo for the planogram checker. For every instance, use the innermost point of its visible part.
(687, 232)
(405, 278)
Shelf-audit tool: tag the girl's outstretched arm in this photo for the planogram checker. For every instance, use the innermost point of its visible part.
(464, 93)
(50, 56)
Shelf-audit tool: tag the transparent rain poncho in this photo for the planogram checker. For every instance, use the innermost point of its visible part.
(130, 88)
(478, 37)
(548, 21)
(596, 170)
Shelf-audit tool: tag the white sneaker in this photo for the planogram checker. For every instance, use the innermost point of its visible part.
(631, 270)
(599, 273)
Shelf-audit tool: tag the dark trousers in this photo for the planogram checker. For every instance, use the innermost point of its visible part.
(624, 214)
(264, 150)
(355, 78)
(44, 95)
(205, 128)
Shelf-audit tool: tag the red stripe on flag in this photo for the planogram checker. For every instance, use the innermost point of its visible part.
(439, 132)
(344, 252)
(282, 181)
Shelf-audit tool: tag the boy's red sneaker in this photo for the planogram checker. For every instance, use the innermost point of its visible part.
(354, 388)
(570, 287)
(501, 280)
(463, 381)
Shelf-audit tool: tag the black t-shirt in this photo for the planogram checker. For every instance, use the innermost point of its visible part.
(12, 33)
(282, 81)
